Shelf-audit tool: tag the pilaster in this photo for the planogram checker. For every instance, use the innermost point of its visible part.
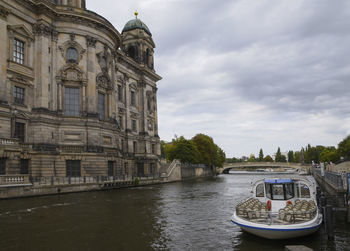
(91, 105)
(3, 53)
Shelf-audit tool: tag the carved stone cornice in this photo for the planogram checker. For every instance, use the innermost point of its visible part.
(4, 12)
(40, 29)
(91, 41)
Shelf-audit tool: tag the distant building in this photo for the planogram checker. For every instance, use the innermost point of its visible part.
(77, 98)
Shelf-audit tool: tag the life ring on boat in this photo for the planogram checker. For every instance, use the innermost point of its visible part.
(268, 205)
(288, 202)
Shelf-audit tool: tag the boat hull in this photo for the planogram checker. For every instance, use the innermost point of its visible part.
(279, 231)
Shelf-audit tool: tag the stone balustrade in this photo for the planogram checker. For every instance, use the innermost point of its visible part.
(14, 179)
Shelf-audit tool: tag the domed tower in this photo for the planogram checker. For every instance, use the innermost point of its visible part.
(138, 43)
(71, 3)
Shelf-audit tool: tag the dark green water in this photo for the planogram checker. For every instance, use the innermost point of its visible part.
(193, 215)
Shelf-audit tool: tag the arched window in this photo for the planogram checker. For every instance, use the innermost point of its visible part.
(72, 55)
(132, 52)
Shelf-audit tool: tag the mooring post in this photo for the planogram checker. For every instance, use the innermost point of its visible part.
(329, 221)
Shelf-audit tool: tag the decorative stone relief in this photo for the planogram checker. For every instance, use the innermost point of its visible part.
(90, 41)
(104, 59)
(103, 81)
(40, 29)
(4, 12)
(71, 72)
(134, 115)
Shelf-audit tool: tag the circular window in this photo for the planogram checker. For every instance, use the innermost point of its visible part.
(72, 55)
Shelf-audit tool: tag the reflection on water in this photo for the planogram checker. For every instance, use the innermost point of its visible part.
(193, 215)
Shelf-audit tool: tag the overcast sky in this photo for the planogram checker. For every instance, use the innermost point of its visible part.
(250, 73)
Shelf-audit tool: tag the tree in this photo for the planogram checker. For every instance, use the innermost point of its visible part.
(290, 156)
(210, 153)
(344, 148)
(261, 155)
(278, 157)
(301, 156)
(184, 150)
(329, 154)
(268, 159)
(296, 157)
(252, 158)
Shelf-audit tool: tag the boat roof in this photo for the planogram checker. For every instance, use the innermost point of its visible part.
(278, 181)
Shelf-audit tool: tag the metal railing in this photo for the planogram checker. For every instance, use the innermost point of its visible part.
(336, 180)
(54, 180)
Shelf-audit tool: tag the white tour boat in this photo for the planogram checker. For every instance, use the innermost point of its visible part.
(280, 209)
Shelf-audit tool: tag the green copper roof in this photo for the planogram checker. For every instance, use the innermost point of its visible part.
(136, 24)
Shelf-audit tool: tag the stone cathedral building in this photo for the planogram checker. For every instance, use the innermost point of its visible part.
(77, 97)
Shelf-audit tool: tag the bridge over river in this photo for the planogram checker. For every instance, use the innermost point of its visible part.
(257, 165)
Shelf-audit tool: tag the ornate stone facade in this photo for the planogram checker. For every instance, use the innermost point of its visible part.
(77, 98)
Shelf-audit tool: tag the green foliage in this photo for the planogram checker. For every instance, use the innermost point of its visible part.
(290, 156)
(268, 159)
(201, 149)
(261, 155)
(252, 158)
(136, 181)
(296, 157)
(313, 153)
(279, 157)
(329, 154)
(233, 160)
(344, 148)
(184, 150)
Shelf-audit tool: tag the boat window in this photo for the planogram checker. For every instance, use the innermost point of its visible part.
(260, 190)
(304, 191)
(289, 191)
(277, 192)
(268, 190)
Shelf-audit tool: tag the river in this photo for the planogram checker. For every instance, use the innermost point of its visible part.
(191, 215)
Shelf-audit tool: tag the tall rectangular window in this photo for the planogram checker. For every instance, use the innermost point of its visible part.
(134, 146)
(19, 131)
(2, 166)
(101, 105)
(18, 95)
(132, 98)
(120, 95)
(18, 51)
(153, 148)
(120, 121)
(111, 168)
(24, 166)
(133, 125)
(73, 168)
(72, 101)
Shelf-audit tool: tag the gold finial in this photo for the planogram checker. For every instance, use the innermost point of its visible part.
(136, 13)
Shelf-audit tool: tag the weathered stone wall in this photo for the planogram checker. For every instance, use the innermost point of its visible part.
(101, 66)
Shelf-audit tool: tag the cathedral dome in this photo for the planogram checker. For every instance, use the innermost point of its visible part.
(136, 24)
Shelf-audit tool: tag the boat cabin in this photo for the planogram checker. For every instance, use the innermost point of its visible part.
(281, 189)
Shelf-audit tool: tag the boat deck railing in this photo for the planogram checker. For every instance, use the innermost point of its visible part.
(255, 211)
